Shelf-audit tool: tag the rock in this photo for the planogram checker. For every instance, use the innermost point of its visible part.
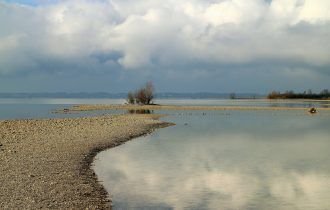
(312, 110)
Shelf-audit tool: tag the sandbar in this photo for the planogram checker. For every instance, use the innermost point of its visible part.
(93, 107)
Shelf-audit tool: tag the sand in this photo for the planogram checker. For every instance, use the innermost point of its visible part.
(46, 163)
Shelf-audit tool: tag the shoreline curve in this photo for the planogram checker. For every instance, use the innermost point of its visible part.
(45, 163)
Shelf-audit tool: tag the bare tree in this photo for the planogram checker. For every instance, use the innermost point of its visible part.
(149, 92)
(325, 92)
(130, 98)
(144, 95)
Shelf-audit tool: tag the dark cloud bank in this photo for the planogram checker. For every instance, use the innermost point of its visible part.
(183, 46)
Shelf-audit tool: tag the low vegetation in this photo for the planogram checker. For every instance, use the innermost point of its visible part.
(142, 96)
(324, 94)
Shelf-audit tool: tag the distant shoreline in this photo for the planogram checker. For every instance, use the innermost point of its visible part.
(323, 95)
(123, 95)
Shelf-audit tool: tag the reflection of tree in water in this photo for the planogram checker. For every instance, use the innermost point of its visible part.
(274, 105)
(140, 111)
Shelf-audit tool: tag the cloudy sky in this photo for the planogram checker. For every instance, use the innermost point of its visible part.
(181, 45)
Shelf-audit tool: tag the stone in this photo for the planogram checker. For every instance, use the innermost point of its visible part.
(312, 110)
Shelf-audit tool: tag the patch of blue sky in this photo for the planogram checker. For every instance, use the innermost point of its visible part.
(31, 2)
(27, 2)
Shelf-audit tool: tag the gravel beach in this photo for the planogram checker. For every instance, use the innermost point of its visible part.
(46, 163)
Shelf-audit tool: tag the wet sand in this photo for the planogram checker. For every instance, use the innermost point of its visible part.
(46, 163)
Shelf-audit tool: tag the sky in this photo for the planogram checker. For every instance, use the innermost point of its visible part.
(181, 45)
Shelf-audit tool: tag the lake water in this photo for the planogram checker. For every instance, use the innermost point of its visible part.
(44, 108)
(224, 160)
(211, 159)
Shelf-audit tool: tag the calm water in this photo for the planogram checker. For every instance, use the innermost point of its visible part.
(224, 160)
(43, 108)
(213, 159)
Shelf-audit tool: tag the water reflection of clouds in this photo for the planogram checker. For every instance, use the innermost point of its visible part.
(227, 170)
(303, 191)
(230, 188)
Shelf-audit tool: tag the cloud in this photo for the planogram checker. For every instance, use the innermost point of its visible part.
(185, 35)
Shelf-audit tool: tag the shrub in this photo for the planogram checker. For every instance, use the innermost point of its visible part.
(232, 96)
